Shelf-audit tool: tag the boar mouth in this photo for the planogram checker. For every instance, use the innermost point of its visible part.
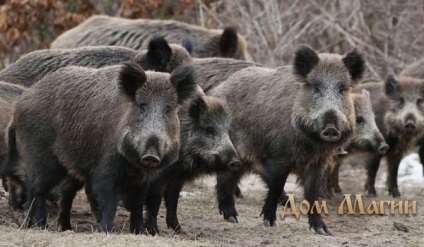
(150, 160)
(366, 145)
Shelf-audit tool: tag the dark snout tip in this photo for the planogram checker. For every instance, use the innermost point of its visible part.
(330, 134)
(410, 126)
(150, 160)
(235, 164)
(383, 148)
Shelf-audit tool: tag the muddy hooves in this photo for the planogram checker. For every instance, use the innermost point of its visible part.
(326, 232)
(232, 219)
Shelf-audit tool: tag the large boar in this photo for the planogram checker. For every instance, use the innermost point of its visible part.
(399, 113)
(206, 149)
(365, 138)
(9, 94)
(159, 56)
(290, 119)
(116, 31)
(113, 129)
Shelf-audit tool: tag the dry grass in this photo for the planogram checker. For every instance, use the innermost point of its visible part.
(388, 32)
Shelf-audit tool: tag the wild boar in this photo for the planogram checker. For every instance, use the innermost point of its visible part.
(113, 129)
(366, 138)
(134, 34)
(289, 119)
(399, 113)
(159, 56)
(206, 149)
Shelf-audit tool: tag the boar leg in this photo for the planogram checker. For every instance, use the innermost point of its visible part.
(312, 180)
(326, 189)
(275, 185)
(283, 199)
(37, 215)
(393, 163)
(133, 199)
(331, 184)
(225, 188)
(105, 187)
(238, 193)
(69, 190)
(336, 185)
(91, 197)
(171, 195)
(372, 168)
(4, 183)
(43, 174)
(421, 154)
(153, 201)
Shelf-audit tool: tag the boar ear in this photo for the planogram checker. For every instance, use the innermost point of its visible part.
(355, 63)
(187, 44)
(391, 85)
(197, 107)
(228, 42)
(158, 55)
(131, 78)
(183, 80)
(305, 60)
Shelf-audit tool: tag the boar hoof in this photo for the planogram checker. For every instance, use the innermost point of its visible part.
(371, 192)
(232, 219)
(152, 230)
(268, 223)
(338, 190)
(326, 232)
(178, 230)
(394, 192)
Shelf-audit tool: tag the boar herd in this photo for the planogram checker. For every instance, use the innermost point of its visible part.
(132, 110)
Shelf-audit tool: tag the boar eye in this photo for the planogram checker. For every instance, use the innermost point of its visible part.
(210, 131)
(360, 120)
(143, 107)
(419, 102)
(168, 109)
(316, 89)
(401, 102)
(342, 89)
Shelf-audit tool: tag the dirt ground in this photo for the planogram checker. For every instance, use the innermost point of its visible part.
(203, 225)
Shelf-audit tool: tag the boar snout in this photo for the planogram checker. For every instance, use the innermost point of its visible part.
(383, 148)
(150, 160)
(410, 126)
(330, 133)
(234, 163)
(151, 157)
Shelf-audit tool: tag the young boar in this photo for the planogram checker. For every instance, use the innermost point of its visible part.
(206, 149)
(114, 129)
(116, 31)
(365, 138)
(159, 56)
(416, 70)
(289, 120)
(399, 113)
